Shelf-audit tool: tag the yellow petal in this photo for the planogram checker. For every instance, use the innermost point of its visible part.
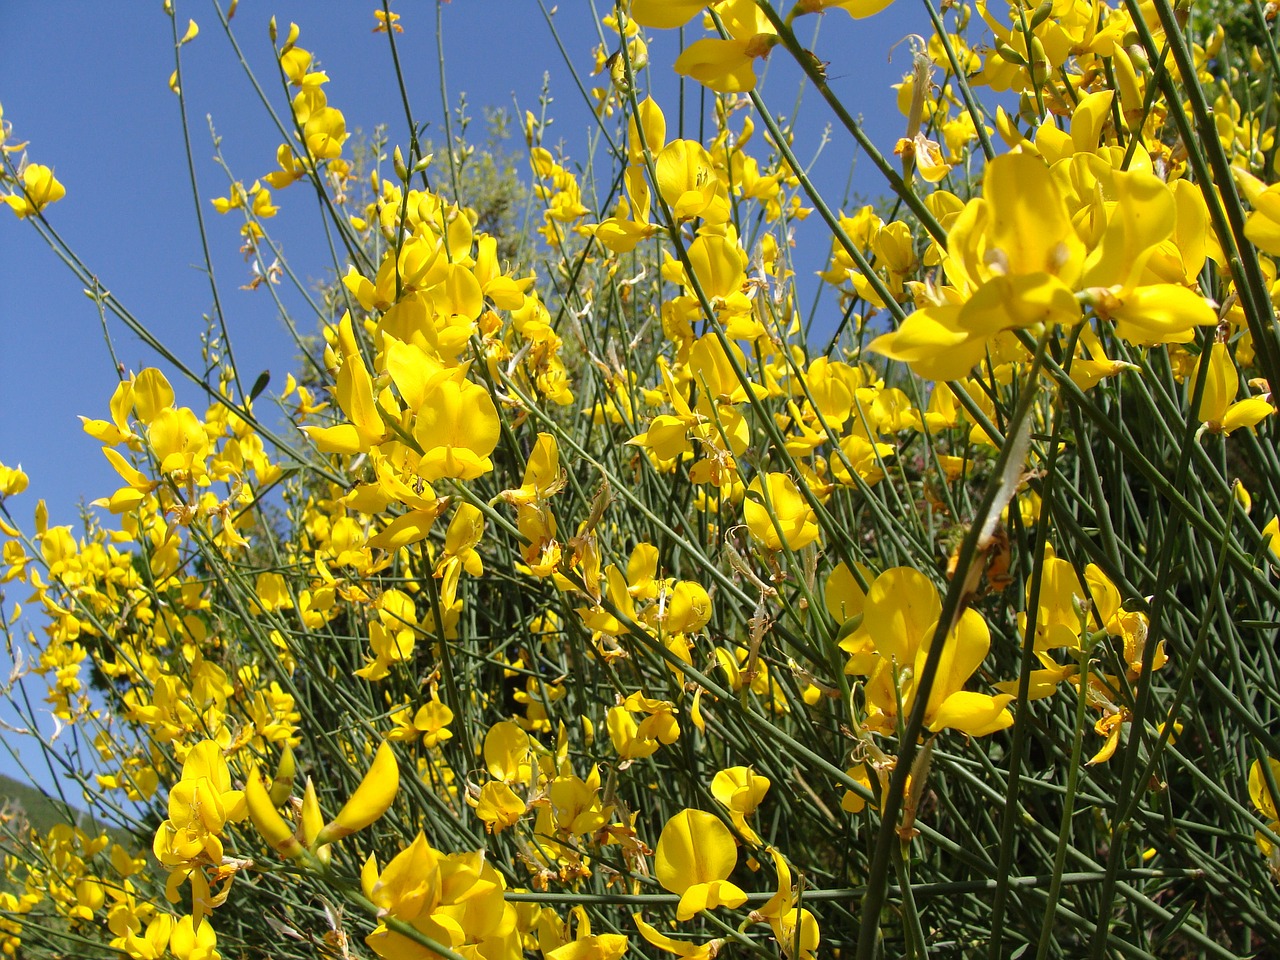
(1161, 313)
(273, 827)
(901, 604)
(976, 714)
(724, 66)
(343, 438)
(129, 473)
(1030, 225)
(404, 530)
(370, 801)
(1258, 791)
(695, 847)
(151, 394)
(708, 896)
(354, 388)
(665, 14)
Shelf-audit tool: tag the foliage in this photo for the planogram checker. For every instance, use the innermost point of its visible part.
(597, 605)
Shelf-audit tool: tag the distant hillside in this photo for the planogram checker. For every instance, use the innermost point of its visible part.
(42, 812)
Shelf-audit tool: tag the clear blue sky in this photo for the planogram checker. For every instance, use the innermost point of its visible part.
(86, 84)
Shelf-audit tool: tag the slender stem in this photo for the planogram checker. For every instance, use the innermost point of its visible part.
(952, 606)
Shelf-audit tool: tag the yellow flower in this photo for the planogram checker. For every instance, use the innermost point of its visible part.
(498, 806)
(456, 900)
(1219, 410)
(685, 608)
(577, 803)
(193, 939)
(1110, 725)
(927, 155)
(458, 428)
(430, 722)
(1014, 257)
(899, 621)
(543, 475)
(687, 181)
(200, 805)
(635, 740)
(725, 66)
(154, 941)
(1058, 613)
(793, 524)
(588, 946)
(790, 926)
(324, 132)
(1265, 801)
(694, 857)
(12, 480)
(1131, 626)
(740, 789)
(39, 189)
(507, 753)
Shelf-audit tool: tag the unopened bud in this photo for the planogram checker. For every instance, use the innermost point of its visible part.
(282, 783)
(1010, 55)
(312, 821)
(273, 827)
(1138, 54)
(1039, 59)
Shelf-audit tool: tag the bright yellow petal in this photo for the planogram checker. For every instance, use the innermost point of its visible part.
(976, 714)
(695, 847)
(1258, 791)
(371, 799)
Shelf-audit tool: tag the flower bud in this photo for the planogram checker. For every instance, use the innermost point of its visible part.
(282, 782)
(312, 821)
(266, 818)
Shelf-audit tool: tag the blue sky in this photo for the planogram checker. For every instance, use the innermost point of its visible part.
(86, 84)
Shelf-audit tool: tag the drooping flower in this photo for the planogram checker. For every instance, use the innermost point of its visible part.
(899, 623)
(1219, 410)
(694, 857)
(792, 524)
(1266, 803)
(39, 189)
(740, 789)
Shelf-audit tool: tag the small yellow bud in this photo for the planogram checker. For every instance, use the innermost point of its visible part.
(282, 782)
(273, 827)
